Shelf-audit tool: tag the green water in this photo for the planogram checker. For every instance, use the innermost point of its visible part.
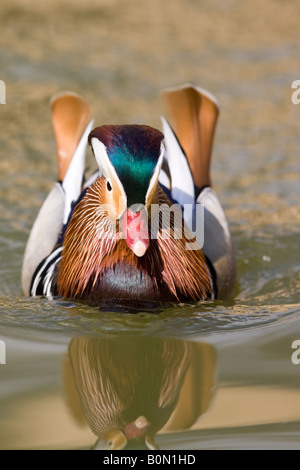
(236, 386)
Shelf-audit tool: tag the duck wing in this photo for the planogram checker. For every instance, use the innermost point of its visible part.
(189, 132)
(71, 117)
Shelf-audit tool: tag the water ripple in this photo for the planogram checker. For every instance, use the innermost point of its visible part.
(185, 320)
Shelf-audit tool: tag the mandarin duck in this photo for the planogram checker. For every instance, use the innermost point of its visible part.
(146, 225)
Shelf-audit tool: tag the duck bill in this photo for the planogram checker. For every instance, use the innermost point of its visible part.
(134, 226)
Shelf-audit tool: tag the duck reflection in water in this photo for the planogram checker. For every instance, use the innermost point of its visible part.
(130, 388)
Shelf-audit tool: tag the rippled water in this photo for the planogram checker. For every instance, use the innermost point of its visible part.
(237, 386)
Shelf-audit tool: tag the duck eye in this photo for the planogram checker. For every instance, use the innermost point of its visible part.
(108, 186)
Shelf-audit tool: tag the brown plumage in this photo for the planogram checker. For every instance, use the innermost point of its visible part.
(70, 116)
(193, 116)
(98, 265)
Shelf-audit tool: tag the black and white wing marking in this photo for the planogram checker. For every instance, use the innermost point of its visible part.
(54, 215)
(177, 177)
(43, 278)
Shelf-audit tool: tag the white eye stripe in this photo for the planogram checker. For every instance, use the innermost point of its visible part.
(156, 172)
(106, 168)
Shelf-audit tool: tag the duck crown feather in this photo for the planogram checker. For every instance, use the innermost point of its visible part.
(134, 152)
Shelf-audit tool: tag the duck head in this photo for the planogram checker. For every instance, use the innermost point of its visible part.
(129, 158)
